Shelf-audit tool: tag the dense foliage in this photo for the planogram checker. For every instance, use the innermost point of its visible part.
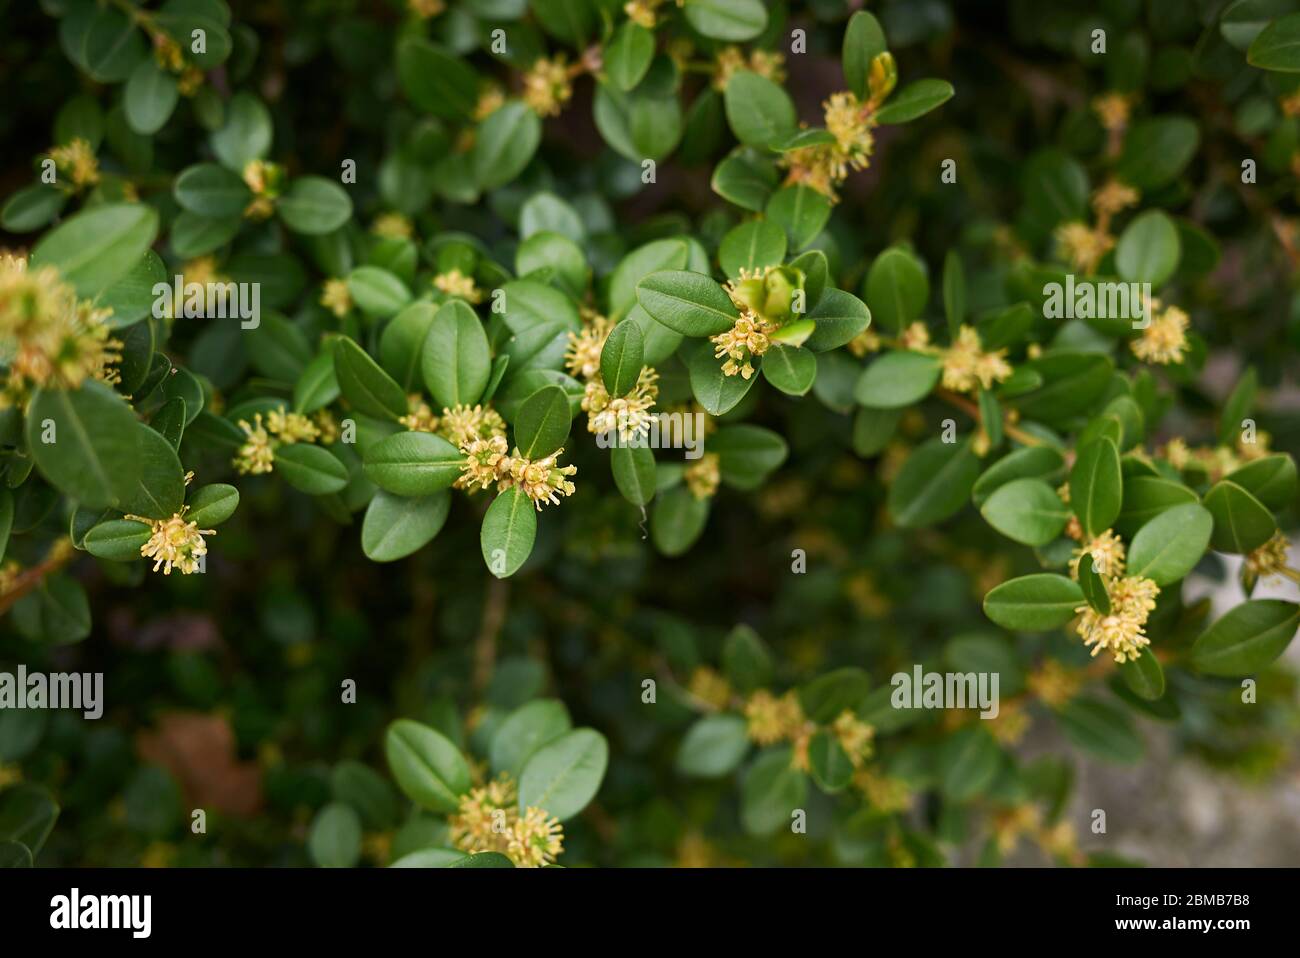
(358, 357)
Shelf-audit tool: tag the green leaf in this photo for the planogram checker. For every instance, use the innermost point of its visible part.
(758, 110)
(524, 731)
(509, 528)
(94, 452)
(746, 179)
(1169, 546)
(117, 539)
(970, 760)
(436, 80)
(1092, 584)
(677, 520)
(112, 46)
(934, 483)
(413, 463)
(770, 792)
(1271, 480)
(563, 776)
(634, 473)
(212, 504)
(790, 368)
(314, 206)
(747, 454)
(32, 207)
(1237, 407)
(1034, 603)
(1148, 249)
(914, 100)
(1241, 522)
(246, 134)
(27, 816)
(318, 385)
(160, 488)
(1278, 46)
(456, 359)
(1027, 511)
(621, 359)
(732, 20)
(717, 392)
(396, 526)
(1144, 675)
(690, 303)
(669, 254)
(335, 837)
(1101, 728)
(310, 469)
(897, 379)
(828, 762)
(1247, 638)
(751, 245)
(839, 316)
(211, 190)
(801, 211)
(429, 769)
(826, 696)
(863, 41)
(149, 97)
(1030, 462)
(1097, 486)
(542, 423)
(364, 384)
(746, 659)
(1156, 151)
(505, 143)
(1145, 497)
(56, 613)
(713, 747)
(377, 292)
(628, 54)
(95, 248)
(897, 289)
(401, 346)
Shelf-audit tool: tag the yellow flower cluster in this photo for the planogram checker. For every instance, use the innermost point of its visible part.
(1120, 631)
(855, 737)
(426, 9)
(824, 166)
(336, 297)
(547, 86)
(265, 179)
(1105, 552)
(1270, 559)
(582, 358)
(709, 687)
(763, 62)
(486, 463)
(630, 415)
(257, 455)
(488, 820)
(1082, 246)
(1053, 683)
(967, 365)
(770, 719)
(703, 476)
(169, 56)
(1164, 341)
(747, 338)
(57, 340)
(175, 543)
(461, 424)
(76, 161)
(457, 284)
(392, 226)
(886, 794)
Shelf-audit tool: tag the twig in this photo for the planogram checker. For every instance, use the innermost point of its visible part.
(485, 645)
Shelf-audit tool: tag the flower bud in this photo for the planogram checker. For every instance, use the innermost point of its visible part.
(883, 77)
